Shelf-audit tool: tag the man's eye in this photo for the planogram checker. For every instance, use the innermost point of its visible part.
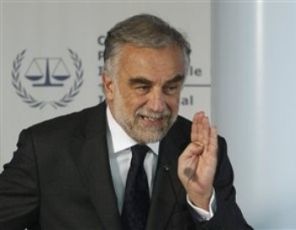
(172, 89)
(142, 88)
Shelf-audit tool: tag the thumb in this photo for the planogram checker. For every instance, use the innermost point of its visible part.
(188, 161)
(194, 149)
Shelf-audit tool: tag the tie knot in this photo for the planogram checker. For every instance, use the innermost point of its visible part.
(139, 153)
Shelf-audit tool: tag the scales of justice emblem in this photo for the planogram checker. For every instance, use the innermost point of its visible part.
(47, 72)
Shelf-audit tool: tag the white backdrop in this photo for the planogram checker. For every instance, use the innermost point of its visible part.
(50, 57)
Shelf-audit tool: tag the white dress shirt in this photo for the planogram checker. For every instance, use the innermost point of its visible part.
(119, 144)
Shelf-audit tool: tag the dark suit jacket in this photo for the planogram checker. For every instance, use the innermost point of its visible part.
(59, 178)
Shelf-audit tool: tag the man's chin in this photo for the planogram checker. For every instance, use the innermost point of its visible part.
(148, 140)
(149, 136)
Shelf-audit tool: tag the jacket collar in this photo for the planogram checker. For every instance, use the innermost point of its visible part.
(89, 148)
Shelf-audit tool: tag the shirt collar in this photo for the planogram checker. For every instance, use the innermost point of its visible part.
(120, 139)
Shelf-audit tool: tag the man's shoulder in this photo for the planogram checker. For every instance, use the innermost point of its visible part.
(182, 123)
(180, 128)
(68, 121)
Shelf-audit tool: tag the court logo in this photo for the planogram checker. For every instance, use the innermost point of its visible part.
(47, 77)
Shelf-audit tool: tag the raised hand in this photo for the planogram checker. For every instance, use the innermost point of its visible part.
(197, 164)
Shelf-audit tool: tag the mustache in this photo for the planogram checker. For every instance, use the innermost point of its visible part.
(153, 115)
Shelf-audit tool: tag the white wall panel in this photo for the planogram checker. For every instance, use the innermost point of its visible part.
(254, 106)
(47, 29)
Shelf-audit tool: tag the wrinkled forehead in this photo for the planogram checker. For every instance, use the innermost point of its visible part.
(142, 61)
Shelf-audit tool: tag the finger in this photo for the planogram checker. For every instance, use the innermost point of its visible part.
(189, 159)
(205, 131)
(193, 150)
(213, 142)
(196, 127)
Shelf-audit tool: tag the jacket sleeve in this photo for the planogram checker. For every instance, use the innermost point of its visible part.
(228, 215)
(19, 195)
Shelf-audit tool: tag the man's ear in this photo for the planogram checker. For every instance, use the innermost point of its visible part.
(108, 85)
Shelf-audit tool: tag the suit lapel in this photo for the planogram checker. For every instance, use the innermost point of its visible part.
(89, 150)
(167, 185)
(91, 156)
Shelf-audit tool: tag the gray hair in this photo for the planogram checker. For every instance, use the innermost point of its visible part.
(142, 30)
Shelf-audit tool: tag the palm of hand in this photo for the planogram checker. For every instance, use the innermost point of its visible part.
(197, 163)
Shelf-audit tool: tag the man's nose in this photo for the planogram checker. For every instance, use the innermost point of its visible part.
(156, 101)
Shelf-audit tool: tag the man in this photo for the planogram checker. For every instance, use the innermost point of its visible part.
(82, 171)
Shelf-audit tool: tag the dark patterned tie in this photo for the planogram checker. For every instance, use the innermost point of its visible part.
(136, 198)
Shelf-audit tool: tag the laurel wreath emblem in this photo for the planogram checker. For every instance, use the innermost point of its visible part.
(33, 102)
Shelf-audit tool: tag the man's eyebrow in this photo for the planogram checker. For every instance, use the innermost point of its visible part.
(139, 80)
(144, 81)
(178, 78)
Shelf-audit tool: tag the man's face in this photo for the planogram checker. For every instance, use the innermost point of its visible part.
(144, 94)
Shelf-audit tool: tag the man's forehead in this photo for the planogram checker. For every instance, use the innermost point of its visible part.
(167, 57)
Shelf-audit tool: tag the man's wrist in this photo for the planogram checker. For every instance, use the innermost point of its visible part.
(201, 200)
(201, 213)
